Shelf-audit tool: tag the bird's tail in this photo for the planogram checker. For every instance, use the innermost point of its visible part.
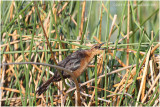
(44, 86)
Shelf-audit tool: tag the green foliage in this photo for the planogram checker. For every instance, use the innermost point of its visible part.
(22, 40)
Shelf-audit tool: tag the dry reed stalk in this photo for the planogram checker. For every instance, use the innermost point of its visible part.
(64, 6)
(82, 19)
(14, 90)
(128, 19)
(112, 26)
(142, 86)
(100, 26)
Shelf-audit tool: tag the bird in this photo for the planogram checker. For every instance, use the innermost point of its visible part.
(76, 62)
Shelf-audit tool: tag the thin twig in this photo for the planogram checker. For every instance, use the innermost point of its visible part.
(17, 41)
(124, 37)
(52, 56)
(64, 6)
(112, 92)
(73, 20)
(119, 94)
(15, 90)
(84, 94)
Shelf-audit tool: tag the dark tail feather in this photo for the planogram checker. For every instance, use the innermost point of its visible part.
(44, 86)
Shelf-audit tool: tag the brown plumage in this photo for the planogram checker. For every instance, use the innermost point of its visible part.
(76, 62)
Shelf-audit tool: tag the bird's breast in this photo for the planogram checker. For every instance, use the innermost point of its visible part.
(83, 65)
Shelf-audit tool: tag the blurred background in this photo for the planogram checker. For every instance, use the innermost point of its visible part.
(73, 25)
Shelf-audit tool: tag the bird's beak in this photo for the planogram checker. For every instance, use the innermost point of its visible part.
(101, 45)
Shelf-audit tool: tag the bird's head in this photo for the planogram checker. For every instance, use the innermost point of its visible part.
(96, 49)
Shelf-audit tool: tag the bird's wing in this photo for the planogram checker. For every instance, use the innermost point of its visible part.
(72, 62)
